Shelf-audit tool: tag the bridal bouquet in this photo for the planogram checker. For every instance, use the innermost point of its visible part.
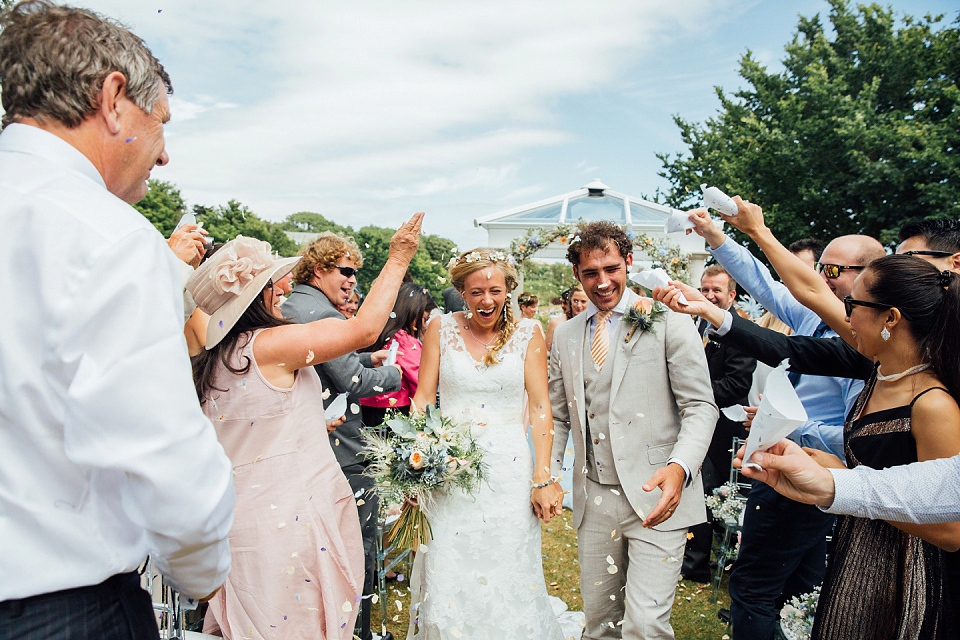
(417, 456)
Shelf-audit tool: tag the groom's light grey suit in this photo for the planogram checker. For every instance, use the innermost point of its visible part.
(651, 403)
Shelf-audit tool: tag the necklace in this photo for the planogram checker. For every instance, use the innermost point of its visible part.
(487, 343)
(903, 374)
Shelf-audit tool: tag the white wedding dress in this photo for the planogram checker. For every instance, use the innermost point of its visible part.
(482, 576)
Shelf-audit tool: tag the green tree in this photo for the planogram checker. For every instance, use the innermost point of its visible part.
(860, 131)
(547, 280)
(312, 223)
(227, 222)
(162, 206)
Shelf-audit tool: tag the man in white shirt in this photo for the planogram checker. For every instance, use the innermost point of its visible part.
(107, 455)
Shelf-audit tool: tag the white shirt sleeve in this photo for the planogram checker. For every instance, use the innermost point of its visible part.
(132, 414)
(922, 492)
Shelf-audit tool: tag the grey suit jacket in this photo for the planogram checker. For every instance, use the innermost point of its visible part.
(661, 407)
(352, 373)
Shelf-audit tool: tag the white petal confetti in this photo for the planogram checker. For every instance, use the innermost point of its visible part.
(378, 389)
(325, 394)
(597, 500)
(355, 379)
(309, 356)
(289, 571)
(612, 569)
(281, 525)
(347, 606)
(399, 605)
(354, 408)
(610, 560)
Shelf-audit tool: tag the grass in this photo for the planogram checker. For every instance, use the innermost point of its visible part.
(694, 614)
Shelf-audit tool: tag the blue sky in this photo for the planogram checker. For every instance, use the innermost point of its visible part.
(368, 111)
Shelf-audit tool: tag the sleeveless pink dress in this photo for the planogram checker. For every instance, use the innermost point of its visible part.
(295, 543)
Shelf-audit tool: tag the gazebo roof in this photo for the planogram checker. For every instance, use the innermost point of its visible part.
(594, 201)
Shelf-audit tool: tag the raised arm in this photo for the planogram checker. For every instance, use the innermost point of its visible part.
(299, 345)
(804, 284)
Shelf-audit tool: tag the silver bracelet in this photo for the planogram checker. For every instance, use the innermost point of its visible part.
(546, 484)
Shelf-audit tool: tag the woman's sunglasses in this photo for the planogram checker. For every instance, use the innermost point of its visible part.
(849, 303)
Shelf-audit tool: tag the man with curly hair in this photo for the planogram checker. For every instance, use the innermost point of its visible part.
(641, 409)
(325, 277)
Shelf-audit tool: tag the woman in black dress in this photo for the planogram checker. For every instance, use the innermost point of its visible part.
(888, 579)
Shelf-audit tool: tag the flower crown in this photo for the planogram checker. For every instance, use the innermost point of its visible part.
(474, 256)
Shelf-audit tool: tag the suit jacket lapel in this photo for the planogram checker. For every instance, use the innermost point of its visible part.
(575, 350)
(620, 350)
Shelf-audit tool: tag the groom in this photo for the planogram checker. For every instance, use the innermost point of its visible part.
(642, 414)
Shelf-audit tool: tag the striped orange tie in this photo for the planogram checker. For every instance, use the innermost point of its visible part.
(601, 339)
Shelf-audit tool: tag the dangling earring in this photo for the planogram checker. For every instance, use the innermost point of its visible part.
(885, 334)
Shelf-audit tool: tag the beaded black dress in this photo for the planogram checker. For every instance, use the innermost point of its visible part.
(882, 583)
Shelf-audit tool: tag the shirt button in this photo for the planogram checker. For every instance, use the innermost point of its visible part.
(596, 441)
(591, 416)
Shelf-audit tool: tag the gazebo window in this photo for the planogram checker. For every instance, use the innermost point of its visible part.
(641, 214)
(547, 213)
(591, 208)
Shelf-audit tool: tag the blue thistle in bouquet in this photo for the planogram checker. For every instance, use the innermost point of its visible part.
(417, 456)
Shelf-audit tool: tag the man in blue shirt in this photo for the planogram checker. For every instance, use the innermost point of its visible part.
(783, 546)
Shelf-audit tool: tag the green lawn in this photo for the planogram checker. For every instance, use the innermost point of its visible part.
(694, 612)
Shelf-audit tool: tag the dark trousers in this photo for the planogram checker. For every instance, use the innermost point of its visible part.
(696, 555)
(368, 529)
(783, 553)
(116, 609)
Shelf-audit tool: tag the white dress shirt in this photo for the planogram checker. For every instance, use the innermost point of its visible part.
(921, 492)
(618, 311)
(106, 454)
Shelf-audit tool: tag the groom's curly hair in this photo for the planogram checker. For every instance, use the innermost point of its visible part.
(598, 235)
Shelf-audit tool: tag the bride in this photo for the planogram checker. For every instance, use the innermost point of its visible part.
(481, 575)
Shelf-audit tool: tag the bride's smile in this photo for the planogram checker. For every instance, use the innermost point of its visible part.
(485, 292)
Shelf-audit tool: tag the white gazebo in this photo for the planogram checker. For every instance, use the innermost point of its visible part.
(593, 202)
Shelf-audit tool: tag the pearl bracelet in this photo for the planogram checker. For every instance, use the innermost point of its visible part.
(545, 484)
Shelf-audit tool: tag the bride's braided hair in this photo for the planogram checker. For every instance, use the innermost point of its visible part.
(474, 260)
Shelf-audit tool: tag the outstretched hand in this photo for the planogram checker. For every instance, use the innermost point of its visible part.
(704, 227)
(791, 472)
(669, 480)
(697, 304)
(749, 218)
(407, 238)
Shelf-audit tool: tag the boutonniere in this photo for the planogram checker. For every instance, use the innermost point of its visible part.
(643, 315)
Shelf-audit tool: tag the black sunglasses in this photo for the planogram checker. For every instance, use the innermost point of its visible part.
(347, 272)
(849, 303)
(834, 270)
(934, 254)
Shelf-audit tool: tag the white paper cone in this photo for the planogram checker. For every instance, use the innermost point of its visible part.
(713, 198)
(678, 221)
(392, 354)
(779, 413)
(336, 409)
(736, 413)
(654, 278)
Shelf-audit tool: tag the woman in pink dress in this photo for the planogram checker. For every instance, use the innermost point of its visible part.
(295, 543)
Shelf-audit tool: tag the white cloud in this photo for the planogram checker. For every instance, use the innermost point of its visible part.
(345, 108)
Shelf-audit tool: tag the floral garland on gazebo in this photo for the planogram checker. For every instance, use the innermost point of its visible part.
(661, 251)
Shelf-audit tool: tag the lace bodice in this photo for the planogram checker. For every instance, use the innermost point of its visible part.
(471, 390)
